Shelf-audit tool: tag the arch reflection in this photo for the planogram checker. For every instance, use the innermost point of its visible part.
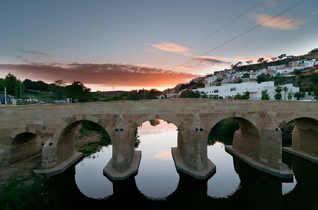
(157, 177)
(89, 177)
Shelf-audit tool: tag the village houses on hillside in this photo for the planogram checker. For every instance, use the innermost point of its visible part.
(226, 84)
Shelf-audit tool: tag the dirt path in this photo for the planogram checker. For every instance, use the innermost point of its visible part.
(18, 170)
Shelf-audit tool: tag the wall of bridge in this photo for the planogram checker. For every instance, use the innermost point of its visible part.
(259, 136)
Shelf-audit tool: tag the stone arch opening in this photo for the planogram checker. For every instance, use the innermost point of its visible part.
(157, 137)
(25, 145)
(66, 139)
(301, 134)
(244, 133)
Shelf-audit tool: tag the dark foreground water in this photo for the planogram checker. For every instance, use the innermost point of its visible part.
(158, 185)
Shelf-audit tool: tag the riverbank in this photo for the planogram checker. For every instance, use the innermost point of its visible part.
(20, 187)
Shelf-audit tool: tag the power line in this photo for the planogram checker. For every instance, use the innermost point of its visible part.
(214, 32)
(251, 29)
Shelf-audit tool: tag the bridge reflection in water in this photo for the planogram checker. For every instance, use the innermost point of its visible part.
(251, 189)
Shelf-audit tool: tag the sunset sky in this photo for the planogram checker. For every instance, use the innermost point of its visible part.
(125, 44)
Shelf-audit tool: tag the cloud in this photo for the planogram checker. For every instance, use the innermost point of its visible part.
(313, 13)
(33, 52)
(282, 23)
(170, 47)
(122, 75)
(271, 3)
(186, 67)
(205, 62)
(164, 156)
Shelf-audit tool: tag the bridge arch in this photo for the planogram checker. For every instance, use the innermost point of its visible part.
(25, 144)
(243, 120)
(304, 134)
(63, 138)
(247, 138)
(165, 117)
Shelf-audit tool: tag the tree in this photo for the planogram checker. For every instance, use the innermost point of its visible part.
(246, 96)
(285, 89)
(278, 95)
(239, 64)
(280, 57)
(260, 60)
(190, 94)
(13, 85)
(58, 89)
(313, 51)
(1, 84)
(79, 91)
(249, 62)
(246, 75)
(316, 91)
(261, 78)
(133, 95)
(265, 95)
(309, 91)
(297, 72)
(154, 122)
(273, 59)
(152, 94)
(38, 85)
(60, 82)
(204, 95)
(299, 95)
(290, 95)
(314, 78)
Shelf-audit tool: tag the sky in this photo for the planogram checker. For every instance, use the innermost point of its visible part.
(124, 44)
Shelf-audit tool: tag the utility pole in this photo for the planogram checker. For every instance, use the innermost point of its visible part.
(5, 96)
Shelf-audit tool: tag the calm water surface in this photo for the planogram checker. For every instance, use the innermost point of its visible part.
(158, 185)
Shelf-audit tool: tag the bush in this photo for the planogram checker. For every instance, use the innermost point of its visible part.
(190, 94)
(228, 126)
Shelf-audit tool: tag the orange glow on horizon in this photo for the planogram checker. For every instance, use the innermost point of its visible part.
(95, 88)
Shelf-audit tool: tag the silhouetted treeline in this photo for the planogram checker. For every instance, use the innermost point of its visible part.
(143, 94)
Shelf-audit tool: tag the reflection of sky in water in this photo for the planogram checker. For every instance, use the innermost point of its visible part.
(157, 176)
(225, 181)
(288, 186)
(89, 176)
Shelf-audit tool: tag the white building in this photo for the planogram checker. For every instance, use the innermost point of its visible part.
(255, 89)
(211, 79)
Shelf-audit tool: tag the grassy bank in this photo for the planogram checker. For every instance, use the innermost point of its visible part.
(20, 193)
(88, 129)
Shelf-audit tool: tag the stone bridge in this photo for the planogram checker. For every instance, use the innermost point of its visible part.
(49, 129)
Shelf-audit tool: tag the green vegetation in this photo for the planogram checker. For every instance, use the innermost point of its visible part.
(190, 94)
(278, 95)
(13, 85)
(227, 127)
(92, 147)
(246, 96)
(19, 194)
(88, 128)
(143, 94)
(299, 95)
(265, 95)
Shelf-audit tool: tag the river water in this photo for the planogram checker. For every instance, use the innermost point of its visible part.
(158, 185)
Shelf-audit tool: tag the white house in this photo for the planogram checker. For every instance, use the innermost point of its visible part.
(255, 89)
(211, 79)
